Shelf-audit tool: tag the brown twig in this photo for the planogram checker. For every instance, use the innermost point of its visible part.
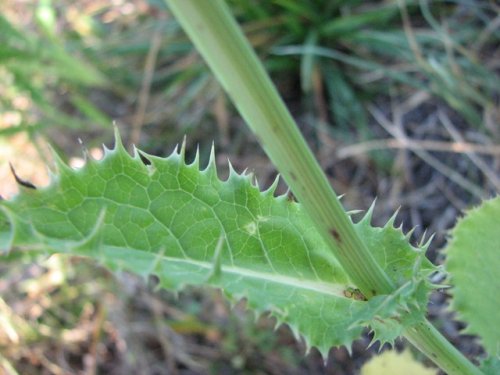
(415, 144)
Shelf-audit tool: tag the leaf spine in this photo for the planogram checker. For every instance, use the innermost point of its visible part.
(232, 171)
(118, 146)
(211, 167)
(196, 161)
(425, 245)
(369, 214)
(182, 152)
(272, 188)
(392, 219)
(410, 233)
(353, 212)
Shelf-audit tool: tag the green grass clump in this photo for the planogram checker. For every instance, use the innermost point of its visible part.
(45, 80)
(331, 60)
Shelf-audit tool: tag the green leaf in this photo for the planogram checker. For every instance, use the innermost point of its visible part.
(473, 262)
(162, 216)
(406, 265)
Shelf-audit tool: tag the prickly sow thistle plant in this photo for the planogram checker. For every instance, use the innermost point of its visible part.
(308, 264)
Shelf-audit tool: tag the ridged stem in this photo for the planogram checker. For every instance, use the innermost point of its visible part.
(429, 341)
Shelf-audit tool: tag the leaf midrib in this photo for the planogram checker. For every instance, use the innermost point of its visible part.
(324, 288)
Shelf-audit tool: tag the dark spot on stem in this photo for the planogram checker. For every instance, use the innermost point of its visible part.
(374, 293)
(354, 293)
(434, 355)
(292, 176)
(20, 181)
(358, 296)
(347, 293)
(335, 234)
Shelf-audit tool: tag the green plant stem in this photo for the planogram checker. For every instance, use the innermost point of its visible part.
(218, 38)
(429, 341)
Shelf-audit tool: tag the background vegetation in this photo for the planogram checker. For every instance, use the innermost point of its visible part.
(399, 100)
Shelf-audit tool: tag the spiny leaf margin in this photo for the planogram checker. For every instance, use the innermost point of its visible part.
(121, 212)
